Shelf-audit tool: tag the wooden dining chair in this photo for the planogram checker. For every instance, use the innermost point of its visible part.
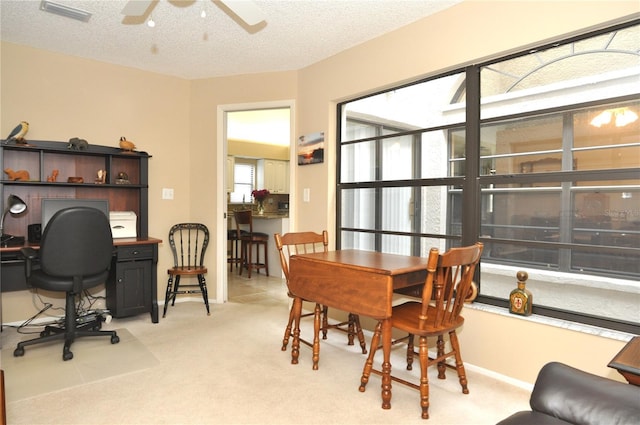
(447, 287)
(188, 243)
(309, 242)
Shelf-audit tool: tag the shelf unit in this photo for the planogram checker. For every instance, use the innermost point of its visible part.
(41, 158)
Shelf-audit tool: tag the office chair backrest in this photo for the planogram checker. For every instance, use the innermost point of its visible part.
(76, 242)
(188, 243)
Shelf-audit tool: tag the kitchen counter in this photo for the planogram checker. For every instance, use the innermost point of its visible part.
(269, 216)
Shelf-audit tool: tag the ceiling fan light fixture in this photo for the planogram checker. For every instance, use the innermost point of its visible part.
(150, 22)
(66, 11)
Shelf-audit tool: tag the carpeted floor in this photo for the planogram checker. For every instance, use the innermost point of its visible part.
(228, 368)
(41, 370)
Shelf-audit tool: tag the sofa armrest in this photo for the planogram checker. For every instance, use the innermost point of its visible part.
(579, 397)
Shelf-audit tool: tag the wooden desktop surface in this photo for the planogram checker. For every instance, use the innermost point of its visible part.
(360, 282)
(627, 361)
(116, 242)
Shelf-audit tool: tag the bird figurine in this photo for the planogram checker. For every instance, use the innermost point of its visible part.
(18, 133)
(126, 145)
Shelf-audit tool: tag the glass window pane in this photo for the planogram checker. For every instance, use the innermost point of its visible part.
(397, 154)
(597, 68)
(522, 146)
(397, 209)
(421, 105)
(358, 162)
(357, 240)
(607, 137)
(358, 210)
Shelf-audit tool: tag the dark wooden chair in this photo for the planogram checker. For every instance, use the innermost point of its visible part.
(233, 255)
(188, 243)
(249, 239)
(310, 242)
(447, 287)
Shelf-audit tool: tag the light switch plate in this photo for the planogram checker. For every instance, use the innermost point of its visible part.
(306, 194)
(167, 193)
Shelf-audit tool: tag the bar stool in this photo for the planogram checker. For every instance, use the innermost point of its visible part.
(248, 239)
(233, 256)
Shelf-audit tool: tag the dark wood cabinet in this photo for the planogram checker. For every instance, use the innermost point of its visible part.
(131, 287)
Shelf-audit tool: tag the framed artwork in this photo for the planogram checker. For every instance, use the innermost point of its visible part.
(311, 149)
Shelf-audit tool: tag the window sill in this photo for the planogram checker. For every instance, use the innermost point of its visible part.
(558, 323)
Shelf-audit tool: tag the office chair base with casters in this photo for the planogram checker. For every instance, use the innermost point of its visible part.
(69, 332)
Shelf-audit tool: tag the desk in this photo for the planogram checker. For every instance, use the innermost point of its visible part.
(627, 361)
(132, 284)
(361, 282)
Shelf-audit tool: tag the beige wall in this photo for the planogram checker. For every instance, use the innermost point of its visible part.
(176, 121)
(257, 150)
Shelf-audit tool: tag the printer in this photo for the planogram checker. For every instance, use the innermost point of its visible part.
(123, 224)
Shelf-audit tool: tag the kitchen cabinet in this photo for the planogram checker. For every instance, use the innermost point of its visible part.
(273, 175)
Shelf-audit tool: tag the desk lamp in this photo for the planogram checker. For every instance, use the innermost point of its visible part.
(15, 205)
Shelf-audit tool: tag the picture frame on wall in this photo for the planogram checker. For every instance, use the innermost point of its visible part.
(311, 148)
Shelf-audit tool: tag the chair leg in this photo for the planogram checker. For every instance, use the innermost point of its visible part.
(243, 257)
(287, 331)
(250, 259)
(266, 259)
(462, 375)
(442, 366)
(368, 365)
(168, 294)
(410, 352)
(203, 288)
(325, 321)
(176, 287)
(355, 319)
(316, 336)
(424, 378)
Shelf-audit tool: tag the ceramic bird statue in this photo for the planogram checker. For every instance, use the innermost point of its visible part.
(18, 133)
(126, 145)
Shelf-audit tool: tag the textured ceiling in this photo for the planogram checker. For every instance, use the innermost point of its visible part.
(295, 34)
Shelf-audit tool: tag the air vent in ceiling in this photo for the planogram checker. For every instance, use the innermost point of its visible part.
(66, 11)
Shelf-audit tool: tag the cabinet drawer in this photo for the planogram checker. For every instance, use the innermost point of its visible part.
(134, 252)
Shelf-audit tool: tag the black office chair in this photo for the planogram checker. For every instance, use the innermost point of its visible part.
(75, 254)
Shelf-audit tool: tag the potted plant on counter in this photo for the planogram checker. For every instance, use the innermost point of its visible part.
(260, 196)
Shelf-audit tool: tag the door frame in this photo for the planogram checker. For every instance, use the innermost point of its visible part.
(221, 176)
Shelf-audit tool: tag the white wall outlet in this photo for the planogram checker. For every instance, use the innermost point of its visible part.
(167, 193)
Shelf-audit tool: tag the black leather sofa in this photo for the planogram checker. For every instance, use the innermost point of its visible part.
(565, 395)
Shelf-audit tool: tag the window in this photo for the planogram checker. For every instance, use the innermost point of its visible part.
(537, 155)
(244, 172)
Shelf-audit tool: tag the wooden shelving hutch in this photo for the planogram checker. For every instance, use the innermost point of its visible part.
(41, 158)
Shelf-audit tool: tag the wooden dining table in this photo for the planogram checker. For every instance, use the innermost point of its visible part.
(355, 281)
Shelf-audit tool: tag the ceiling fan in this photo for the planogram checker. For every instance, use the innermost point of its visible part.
(246, 10)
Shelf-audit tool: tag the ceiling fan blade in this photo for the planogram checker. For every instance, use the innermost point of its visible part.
(246, 10)
(136, 7)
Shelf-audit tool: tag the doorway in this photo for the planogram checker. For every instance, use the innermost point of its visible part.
(245, 124)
